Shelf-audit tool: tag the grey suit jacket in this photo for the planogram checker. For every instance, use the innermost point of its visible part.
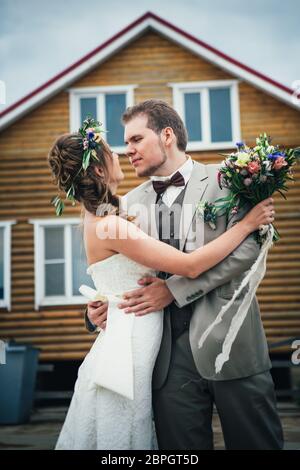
(210, 291)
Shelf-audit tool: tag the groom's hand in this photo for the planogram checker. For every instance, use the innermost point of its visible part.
(154, 296)
(97, 313)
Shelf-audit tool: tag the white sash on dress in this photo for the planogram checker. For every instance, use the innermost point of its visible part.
(114, 351)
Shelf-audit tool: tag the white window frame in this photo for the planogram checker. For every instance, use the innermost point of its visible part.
(39, 262)
(179, 89)
(97, 92)
(6, 225)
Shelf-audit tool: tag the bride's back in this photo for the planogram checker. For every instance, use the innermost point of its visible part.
(95, 248)
(111, 271)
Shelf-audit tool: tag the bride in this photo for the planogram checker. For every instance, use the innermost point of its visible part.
(111, 404)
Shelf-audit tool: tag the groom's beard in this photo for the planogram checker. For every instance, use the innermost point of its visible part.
(152, 169)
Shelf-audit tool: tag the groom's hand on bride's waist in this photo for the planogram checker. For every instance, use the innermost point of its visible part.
(152, 297)
(97, 313)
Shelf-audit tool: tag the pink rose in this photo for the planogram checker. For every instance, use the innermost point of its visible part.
(279, 163)
(253, 167)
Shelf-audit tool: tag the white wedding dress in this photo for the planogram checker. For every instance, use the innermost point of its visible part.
(98, 417)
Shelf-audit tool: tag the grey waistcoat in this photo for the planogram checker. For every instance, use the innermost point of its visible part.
(168, 222)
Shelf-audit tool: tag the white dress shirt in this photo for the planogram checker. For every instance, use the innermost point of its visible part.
(172, 192)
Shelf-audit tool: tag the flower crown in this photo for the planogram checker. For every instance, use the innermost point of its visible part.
(90, 132)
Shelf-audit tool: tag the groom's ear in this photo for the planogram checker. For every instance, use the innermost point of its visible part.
(167, 136)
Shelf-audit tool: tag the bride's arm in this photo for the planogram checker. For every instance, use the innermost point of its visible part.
(125, 237)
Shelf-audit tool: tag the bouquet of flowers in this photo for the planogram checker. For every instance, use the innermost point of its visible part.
(251, 175)
(254, 174)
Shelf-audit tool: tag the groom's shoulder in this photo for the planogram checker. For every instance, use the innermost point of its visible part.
(211, 169)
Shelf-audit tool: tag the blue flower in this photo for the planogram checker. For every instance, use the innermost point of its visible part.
(240, 144)
(92, 144)
(275, 155)
(90, 135)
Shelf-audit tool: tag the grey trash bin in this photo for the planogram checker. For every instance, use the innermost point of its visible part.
(17, 383)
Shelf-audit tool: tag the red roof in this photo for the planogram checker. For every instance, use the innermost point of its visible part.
(159, 21)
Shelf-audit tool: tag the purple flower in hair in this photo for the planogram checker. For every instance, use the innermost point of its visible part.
(93, 144)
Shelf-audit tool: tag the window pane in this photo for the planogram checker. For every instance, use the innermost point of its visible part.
(55, 279)
(88, 106)
(54, 243)
(79, 263)
(192, 107)
(220, 115)
(114, 107)
(1, 263)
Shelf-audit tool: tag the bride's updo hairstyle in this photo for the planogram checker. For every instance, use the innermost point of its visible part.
(77, 177)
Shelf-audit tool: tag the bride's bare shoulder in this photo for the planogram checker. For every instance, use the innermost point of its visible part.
(111, 223)
(118, 230)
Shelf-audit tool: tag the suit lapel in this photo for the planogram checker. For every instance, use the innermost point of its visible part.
(195, 190)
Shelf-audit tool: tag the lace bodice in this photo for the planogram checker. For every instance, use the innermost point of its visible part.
(117, 274)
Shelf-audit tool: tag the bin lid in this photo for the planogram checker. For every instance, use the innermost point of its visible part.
(15, 347)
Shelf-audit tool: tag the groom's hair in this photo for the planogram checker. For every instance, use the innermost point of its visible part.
(160, 115)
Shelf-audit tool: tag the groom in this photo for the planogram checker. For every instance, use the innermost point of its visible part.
(185, 385)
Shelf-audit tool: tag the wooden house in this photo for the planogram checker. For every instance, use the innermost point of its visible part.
(222, 101)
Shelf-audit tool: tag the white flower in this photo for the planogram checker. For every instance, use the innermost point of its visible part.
(243, 159)
(268, 164)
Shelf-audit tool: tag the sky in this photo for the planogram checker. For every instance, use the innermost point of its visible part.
(39, 38)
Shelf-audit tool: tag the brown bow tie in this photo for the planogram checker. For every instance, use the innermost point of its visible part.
(176, 180)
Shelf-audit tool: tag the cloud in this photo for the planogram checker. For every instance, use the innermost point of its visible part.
(39, 39)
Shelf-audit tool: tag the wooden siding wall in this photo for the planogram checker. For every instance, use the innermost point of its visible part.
(26, 189)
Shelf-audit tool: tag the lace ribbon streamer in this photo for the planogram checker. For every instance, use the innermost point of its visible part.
(253, 279)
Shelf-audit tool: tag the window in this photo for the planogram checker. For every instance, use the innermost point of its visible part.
(5, 271)
(60, 262)
(106, 104)
(210, 111)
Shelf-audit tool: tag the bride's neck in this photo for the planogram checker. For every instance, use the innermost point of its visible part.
(113, 188)
(90, 217)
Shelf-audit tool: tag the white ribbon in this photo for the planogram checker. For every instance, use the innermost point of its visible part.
(253, 278)
(113, 350)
